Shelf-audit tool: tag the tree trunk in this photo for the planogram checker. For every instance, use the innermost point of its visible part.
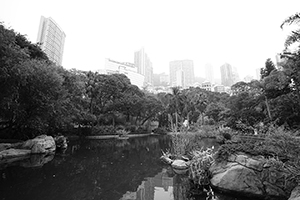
(268, 108)
(176, 121)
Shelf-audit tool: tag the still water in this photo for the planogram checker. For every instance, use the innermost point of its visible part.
(108, 169)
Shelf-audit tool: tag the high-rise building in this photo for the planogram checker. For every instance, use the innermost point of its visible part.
(144, 66)
(257, 73)
(52, 39)
(161, 79)
(235, 74)
(227, 76)
(209, 73)
(128, 69)
(182, 73)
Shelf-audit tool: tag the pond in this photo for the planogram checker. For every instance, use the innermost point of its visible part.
(107, 169)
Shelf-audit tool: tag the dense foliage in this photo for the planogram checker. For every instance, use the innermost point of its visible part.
(37, 96)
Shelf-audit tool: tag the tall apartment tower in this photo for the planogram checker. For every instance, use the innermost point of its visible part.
(182, 73)
(52, 39)
(144, 66)
(209, 73)
(227, 76)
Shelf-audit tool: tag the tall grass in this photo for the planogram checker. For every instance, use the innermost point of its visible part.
(181, 143)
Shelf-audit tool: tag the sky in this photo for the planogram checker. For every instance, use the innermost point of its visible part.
(243, 33)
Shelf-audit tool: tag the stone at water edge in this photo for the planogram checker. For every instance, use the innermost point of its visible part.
(295, 195)
(180, 166)
(40, 144)
(249, 175)
(4, 146)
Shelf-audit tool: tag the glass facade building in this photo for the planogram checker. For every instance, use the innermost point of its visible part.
(52, 39)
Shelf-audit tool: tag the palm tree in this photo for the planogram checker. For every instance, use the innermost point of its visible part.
(175, 104)
(295, 35)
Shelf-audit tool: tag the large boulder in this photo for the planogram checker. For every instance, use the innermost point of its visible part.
(295, 193)
(251, 175)
(180, 166)
(40, 144)
(4, 146)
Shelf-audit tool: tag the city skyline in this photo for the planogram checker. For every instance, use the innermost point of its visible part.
(214, 32)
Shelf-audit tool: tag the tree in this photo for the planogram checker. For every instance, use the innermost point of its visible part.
(269, 67)
(295, 35)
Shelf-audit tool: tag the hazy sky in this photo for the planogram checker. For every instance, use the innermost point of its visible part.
(243, 33)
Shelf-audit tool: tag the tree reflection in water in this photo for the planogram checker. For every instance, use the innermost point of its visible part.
(97, 169)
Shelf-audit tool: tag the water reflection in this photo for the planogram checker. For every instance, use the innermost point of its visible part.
(158, 187)
(96, 169)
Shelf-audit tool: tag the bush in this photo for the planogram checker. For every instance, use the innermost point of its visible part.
(103, 130)
(141, 130)
(131, 128)
(160, 130)
(199, 167)
(277, 142)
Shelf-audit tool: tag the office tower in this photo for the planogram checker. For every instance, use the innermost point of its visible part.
(209, 73)
(144, 66)
(161, 79)
(164, 79)
(235, 75)
(52, 39)
(248, 78)
(227, 76)
(128, 69)
(182, 73)
(257, 73)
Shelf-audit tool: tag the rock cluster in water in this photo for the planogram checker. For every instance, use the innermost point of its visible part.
(42, 144)
(253, 175)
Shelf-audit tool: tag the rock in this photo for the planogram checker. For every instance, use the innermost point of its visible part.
(61, 142)
(180, 166)
(249, 175)
(166, 159)
(4, 146)
(295, 195)
(40, 144)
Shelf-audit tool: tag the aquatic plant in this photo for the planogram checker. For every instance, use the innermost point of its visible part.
(199, 166)
(122, 132)
(181, 143)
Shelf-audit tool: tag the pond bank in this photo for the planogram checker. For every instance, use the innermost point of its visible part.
(116, 136)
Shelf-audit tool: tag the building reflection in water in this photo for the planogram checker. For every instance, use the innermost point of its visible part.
(154, 188)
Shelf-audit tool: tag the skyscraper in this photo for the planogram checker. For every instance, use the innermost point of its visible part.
(227, 76)
(182, 73)
(52, 39)
(209, 73)
(144, 66)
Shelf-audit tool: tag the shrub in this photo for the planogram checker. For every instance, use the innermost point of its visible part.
(160, 130)
(199, 168)
(131, 128)
(103, 130)
(141, 130)
(276, 142)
